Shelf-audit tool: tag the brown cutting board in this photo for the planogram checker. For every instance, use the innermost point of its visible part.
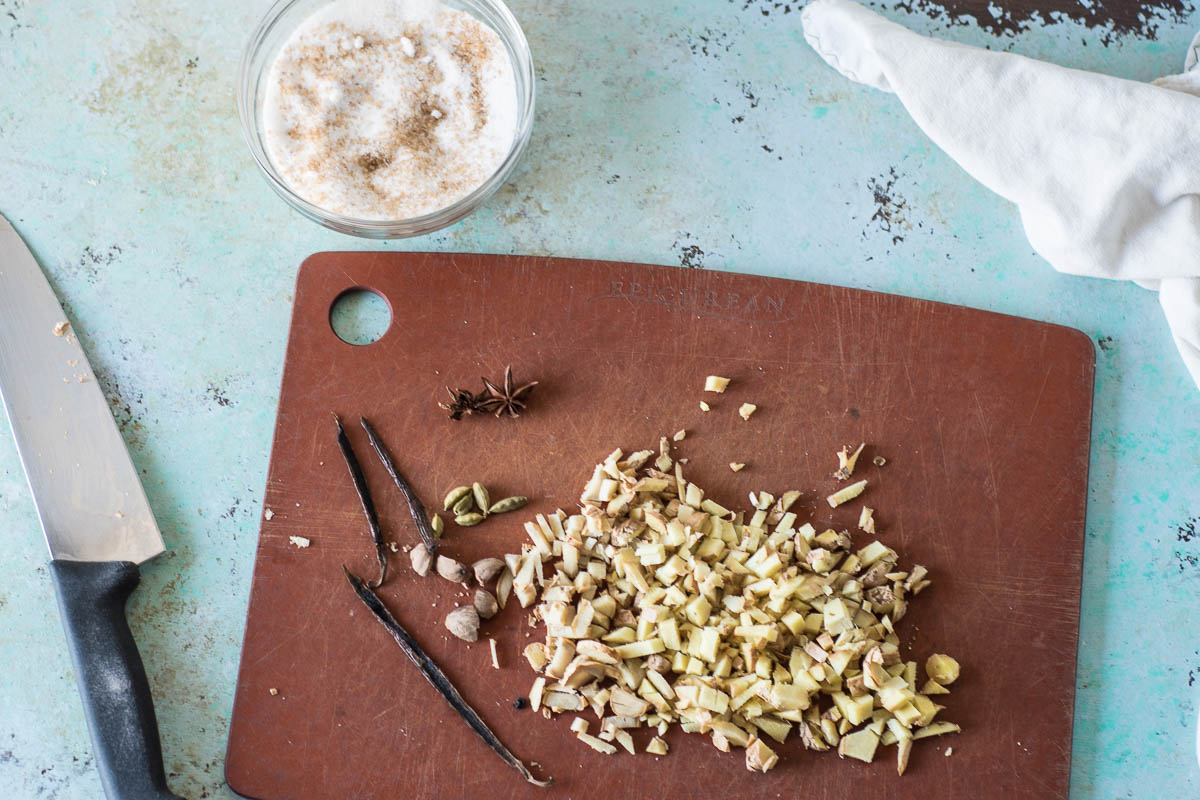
(983, 419)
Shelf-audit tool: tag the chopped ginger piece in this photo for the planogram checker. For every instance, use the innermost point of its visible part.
(903, 750)
(715, 383)
(860, 744)
(846, 462)
(936, 729)
(746, 410)
(599, 745)
(736, 467)
(941, 668)
(759, 757)
(846, 495)
(495, 655)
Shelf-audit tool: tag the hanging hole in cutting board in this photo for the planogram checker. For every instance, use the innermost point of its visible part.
(360, 316)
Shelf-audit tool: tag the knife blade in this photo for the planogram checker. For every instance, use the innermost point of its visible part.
(94, 515)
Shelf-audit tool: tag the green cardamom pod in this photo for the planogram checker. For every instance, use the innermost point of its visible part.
(507, 504)
(468, 520)
(456, 494)
(480, 492)
(464, 503)
(438, 526)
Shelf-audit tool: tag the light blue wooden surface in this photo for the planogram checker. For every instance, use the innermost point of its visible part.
(703, 133)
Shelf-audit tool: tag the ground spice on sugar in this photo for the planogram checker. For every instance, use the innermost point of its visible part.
(389, 109)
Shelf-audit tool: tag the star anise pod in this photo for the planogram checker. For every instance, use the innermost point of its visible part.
(508, 399)
(463, 401)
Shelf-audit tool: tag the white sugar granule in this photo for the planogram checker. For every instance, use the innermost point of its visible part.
(389, 109)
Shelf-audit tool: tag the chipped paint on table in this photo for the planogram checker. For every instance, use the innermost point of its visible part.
(705, 134)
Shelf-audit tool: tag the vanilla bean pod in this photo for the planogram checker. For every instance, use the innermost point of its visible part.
(433, 673)
(415, 506)
(364, 497)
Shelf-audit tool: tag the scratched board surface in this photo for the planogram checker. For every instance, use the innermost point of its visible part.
(983, 420)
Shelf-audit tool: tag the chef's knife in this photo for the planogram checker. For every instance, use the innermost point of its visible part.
(93, 512)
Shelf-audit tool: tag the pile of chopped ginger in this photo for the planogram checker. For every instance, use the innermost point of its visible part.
(663, 607)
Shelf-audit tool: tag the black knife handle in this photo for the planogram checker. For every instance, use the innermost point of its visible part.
(112, 680)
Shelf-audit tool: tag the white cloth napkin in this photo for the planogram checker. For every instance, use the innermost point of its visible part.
(1105, 171)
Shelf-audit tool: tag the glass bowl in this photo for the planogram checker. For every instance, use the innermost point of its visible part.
(273, 32)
